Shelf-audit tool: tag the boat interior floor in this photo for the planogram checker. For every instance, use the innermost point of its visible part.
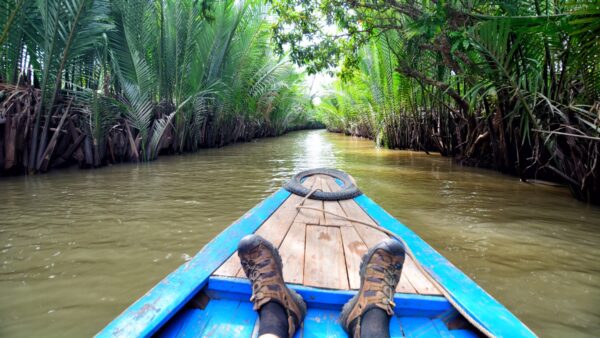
(223, 309)
(322, 250)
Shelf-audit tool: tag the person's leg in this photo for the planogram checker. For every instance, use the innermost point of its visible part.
(273, 320)
(281, 310)
(373, 323)
(368, 313)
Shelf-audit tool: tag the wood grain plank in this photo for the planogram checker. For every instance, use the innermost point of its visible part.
(404, 286)
(323, 183)
(370, 236)
(412, 279)
(292, 254)
(354, 249)
(230, 268)
(374, 237)
(307, 216)
(324, 264)
(273, 230)
(276, 227)
(333, 186)
(333, 206)
(421, 283)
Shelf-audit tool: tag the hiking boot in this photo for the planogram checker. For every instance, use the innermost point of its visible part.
(262, 265)
(380, 271)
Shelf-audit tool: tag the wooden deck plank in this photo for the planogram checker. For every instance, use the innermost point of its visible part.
(292, 254)
(421, 283)
(404, 286)
(286, 229)
(353, 262)
(412, 279)
(332, 184)
(273, 230)
(324, 264)
(370, 236)
(307, 216)
(336, 208)
(354, 249)
(230, 268)
(276, 228)
(333, 206)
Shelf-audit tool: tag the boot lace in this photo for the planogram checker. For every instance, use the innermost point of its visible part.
(254, 273)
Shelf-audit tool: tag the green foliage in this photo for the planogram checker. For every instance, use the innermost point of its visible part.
(201, 72)
(509, 84)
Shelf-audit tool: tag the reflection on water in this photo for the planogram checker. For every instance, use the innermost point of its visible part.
(77, 247)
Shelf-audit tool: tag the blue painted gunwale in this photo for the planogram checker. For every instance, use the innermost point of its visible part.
(469, 296)
(144, 317)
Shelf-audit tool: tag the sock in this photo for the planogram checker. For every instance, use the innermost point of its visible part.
(375, 323)
(273, 320)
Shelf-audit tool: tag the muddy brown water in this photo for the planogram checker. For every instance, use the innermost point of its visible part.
(77, 247)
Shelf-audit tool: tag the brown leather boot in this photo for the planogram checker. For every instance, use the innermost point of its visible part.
(380, 271)
(262, 264)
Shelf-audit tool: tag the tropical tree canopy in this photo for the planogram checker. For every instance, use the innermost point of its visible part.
(101, 81)
(512, 85)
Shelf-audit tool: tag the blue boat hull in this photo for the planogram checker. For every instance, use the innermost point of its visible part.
(191, 302)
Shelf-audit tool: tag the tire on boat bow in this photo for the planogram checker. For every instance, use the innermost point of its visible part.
(349, 189)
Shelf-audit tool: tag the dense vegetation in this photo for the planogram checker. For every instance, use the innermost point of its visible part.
(508, 84)
(105, 81)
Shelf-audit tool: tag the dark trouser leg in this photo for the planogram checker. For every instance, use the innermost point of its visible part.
(273, 320)
(375, 323)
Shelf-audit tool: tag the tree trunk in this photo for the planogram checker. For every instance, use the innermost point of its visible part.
(45, 161)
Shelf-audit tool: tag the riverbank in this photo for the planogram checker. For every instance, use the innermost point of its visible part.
(69, 140)
(485, 162)
(78, 246)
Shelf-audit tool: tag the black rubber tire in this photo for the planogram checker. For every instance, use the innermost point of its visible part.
(349, 189)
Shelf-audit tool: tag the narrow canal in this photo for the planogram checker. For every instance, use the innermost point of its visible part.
(77, 247)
